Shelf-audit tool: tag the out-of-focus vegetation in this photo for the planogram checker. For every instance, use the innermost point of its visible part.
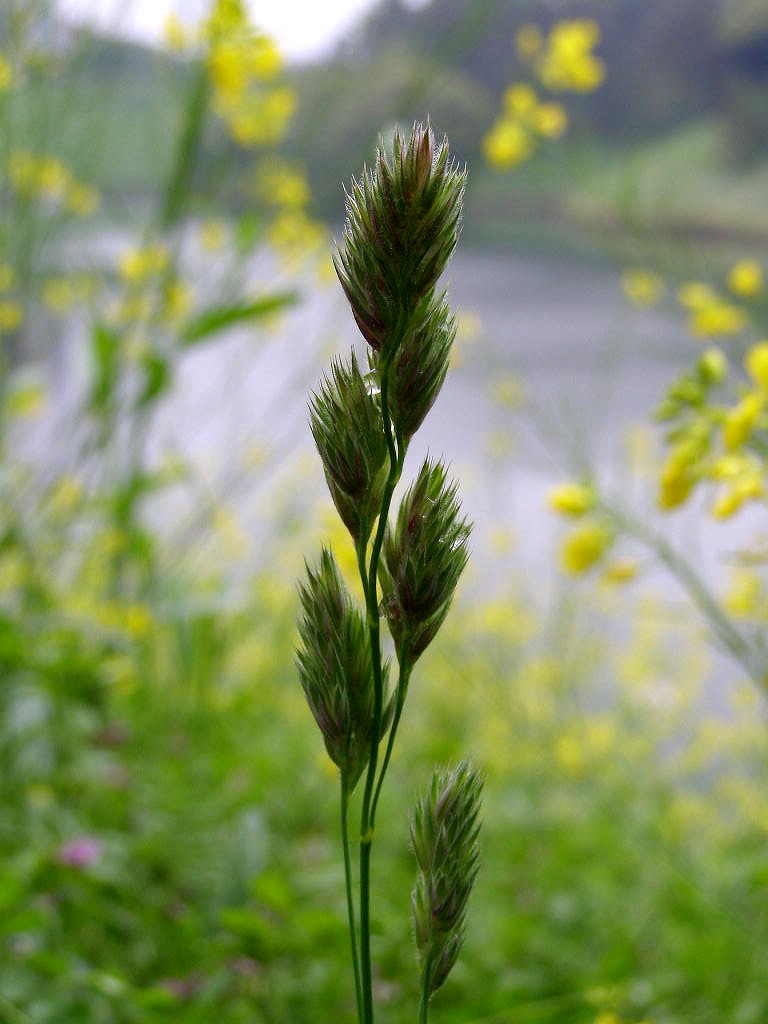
(165, 814)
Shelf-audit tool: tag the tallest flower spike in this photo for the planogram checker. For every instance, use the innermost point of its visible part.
(401, 229)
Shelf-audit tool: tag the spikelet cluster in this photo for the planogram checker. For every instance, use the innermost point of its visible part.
(401, 229)
(345, 418)
(335, 668)
(444, 838)
(424, 555)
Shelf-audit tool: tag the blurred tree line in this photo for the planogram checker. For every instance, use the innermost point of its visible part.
(669, 63)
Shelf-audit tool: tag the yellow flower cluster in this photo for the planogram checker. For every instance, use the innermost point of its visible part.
(44, 177)
(587, 545)
(241, 63)
(566, 61)
(279, 183)
(524, 121)
(715, 442)
(154, 292)
(62, 293)
(562, 61)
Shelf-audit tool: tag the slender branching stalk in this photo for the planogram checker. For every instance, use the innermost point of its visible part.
(401, 229)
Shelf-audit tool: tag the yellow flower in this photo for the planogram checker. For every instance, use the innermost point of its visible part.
(571, 499)
(713, 365)
(213, 235)
(622, 570)
(520, 99)
(178, 299)
(678, 478)
(528, 41)
(58, 294)
(695, 294)
(6, 74)
(508, 390)
(294, 232)
(745, 278)
(745, 594)
(642, 287)
(66, 494)
(756, 364)
(507, 144)
(53, 178)
(7, 277)
(264, 58)
(740, 421)
(717, 318)
(282, 185)
(138, 264)
(174, 32)
(260, 119)
(82, 200)
(550, 120)
(748, 488)
(11, 315)
(585, 546)
(567, 61)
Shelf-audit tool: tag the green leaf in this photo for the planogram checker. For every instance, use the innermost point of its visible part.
(219, 318)
(105, 345)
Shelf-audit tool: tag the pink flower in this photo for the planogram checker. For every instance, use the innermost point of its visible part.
(81, 853)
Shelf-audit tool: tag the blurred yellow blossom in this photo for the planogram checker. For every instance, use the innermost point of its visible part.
(528, 41)
(756, 364)
(745, 278)
(507, 144)
(741, 419)
(6, 74)
(53, 178)
(572, 499)
(11, 315)
(82, 200)
(178, 299)
(679, 475)
(642, 287)
(137, 264)
(58, 294)
(745, 595)
(175, 34)
(549, 120)
(567, 61)
(65, 495)
(621, 570)
(585, 546)
(520, 98)
(294, 234)
(213, 235)
(27, 397)
(717, 318)
(282, 184)
(695, 294)
(507, 390)
(714, 365)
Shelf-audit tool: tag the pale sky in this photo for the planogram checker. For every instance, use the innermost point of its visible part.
(302, 28)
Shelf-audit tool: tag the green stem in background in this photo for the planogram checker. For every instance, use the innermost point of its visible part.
(730, 637)
(348, 884)
(180, 179)
(424, 1004)
(372, 608)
